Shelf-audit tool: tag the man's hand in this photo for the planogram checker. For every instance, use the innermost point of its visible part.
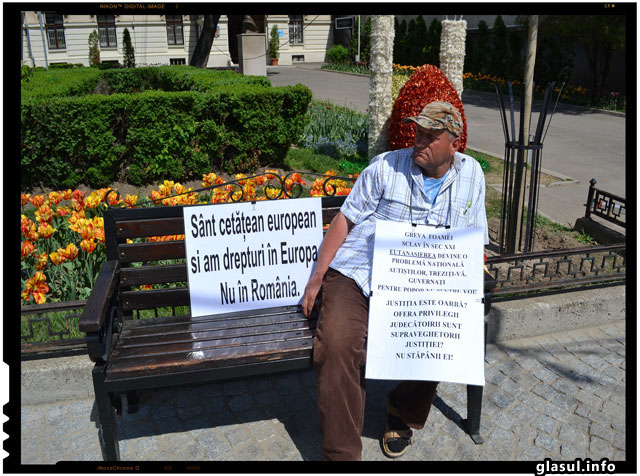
(334, 238)
(310, 294)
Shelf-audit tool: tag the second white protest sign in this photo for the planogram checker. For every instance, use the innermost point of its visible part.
(426, 311)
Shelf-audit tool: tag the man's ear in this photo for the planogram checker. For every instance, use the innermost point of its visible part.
(455, 144)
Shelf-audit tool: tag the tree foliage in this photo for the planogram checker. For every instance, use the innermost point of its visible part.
(94, 48)
(414, 44)
(129, 52)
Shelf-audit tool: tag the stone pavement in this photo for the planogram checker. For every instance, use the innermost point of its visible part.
(558, 396)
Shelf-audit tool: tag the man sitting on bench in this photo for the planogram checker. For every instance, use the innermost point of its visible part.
(430, 183)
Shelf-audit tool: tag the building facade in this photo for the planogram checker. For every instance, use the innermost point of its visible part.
(53, 37)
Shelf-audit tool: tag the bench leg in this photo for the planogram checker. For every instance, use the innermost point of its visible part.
(107, 416)
(474, 406)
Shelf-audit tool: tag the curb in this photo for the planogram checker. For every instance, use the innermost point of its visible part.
(69, 378)
(564, 179)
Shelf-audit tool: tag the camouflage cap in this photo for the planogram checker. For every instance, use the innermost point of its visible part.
(439, 115)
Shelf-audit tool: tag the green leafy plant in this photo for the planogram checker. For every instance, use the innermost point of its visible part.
(274, 43)
(129, 53)
(94, 48)
(335, 131)
(338, 54)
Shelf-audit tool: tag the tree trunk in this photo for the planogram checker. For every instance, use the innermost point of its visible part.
(381, 67)
(200, 56)
(517, 209)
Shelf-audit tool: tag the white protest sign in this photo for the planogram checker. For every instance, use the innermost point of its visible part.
(250, 255)
(426, 312)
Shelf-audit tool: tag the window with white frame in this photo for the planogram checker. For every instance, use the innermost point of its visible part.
(295, 29)
(55, 31)
(174, 30)
(107, 31)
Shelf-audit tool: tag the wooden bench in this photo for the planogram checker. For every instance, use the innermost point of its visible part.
(132, 354)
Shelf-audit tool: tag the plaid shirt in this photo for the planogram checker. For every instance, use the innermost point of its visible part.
(392, 188)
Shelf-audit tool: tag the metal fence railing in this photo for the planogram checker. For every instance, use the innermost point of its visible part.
(608, 206)
(51, 329)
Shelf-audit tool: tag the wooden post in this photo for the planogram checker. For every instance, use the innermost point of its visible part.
(528, 97)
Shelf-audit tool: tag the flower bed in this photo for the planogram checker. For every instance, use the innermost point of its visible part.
(62, 232)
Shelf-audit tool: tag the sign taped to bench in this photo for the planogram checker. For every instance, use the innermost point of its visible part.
(251, 255)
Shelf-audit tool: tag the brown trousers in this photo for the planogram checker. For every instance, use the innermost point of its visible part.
(339, 358)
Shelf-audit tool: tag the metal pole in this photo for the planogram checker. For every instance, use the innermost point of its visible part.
(358, 55)
(44, 42)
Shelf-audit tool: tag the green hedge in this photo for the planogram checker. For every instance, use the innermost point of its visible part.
(182, 123)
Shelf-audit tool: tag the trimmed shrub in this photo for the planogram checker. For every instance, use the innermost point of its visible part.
(155, 135)
(338, 54)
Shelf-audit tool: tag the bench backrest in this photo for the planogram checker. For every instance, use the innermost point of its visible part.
(157, 255)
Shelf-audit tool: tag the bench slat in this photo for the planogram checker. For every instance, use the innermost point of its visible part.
(193, 325)
(127, 342)
(149, 227)
(175, 226)
(155, 251)
(153, 275)
(155, 298)
(209, 359)
(215, 342)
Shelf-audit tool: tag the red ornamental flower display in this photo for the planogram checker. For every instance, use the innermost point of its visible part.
(426, 85)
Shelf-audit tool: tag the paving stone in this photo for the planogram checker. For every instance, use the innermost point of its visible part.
(192, 452)
(589, 398)
(613, 409)
(575, 436)
(600, 447)
(188, 412)
(250, 452)
(287, 384)
(548, 443)
(495, 354)
(546, 424)
(170, 424)
(265, 398)
(509, 367)
(614, 372)
(260, 384)
(566, 402)
(235, 434)
(235, 387)
(528, 362)
(582, 410)
(545, 391)
(619, 441)
(554, 411)
(570, 452)
(545, 375)
(619, 456)
(618, 424)
(213, 444)
(277, 448)
(601, 432)
(501, 399)
(601, 418)
(209, 390)
(524, 412)
(240, 402)
(525, 381)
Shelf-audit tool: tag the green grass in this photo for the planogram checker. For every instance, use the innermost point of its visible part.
(307, 159)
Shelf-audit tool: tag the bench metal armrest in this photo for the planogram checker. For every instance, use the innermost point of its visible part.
(97, 317)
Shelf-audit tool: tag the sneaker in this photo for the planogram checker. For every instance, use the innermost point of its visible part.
(397, 435)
